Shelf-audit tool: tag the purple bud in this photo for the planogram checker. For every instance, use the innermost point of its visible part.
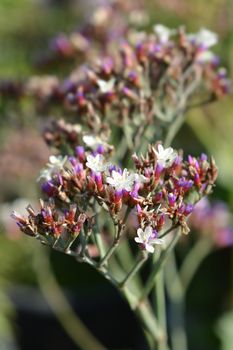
(158, 196)
(154, 234)
(78, 168)
(99, 181)
(197, 179)
(177, 161)
(158, 170)
(185, 184)
(73, 160)
(171, 199)
(203, 157)
(111, 168)
(49, 188)
(118, 196)
(100, 149)
(181, 209)
(134, 192)
(139, 209)
(80, 153)
(68, 86)
(20, 225)
(189, 208)
(156, 48)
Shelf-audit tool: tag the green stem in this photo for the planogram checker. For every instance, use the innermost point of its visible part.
(193, 260)
(145, 315)
(63, 311)
(98, 239)
(100, 244)
(161, 308)
(173, 129)
(177, 305)
(158, 265)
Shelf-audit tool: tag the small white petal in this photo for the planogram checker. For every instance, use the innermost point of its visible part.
(156, 241)
(92, 141)
(106, 86)
(97, 163)
(138, 240)
(148, 232)
(149, 248)
(140, 234)
(139, 178)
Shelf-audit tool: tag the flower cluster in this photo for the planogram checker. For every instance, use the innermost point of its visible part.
(150, 79)
(66, 137)
(141, 78)
(110, 20)
(162, 187)
(51, 226)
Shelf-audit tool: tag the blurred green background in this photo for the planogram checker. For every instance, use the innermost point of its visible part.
(26, 26)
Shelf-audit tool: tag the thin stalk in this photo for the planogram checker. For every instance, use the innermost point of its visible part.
(161, 308)
(135, 269)
(126, 259)
(158, 265)
(118, 234)
(170, 229)
(119, 227)
(57, 301)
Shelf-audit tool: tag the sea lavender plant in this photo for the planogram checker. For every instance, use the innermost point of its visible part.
(99, 190)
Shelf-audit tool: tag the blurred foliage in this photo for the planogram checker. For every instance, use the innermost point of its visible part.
(224, 329)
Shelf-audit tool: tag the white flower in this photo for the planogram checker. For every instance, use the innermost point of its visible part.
(206, 56)
(204, 37)
(140, 179)
(92, 141)
(165, 156)
(124, 181)
(163, 33)
(56, 163)
(97, 163)
(147, 239)
(106, 86)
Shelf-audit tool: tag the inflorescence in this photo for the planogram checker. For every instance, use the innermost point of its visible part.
(161, 189)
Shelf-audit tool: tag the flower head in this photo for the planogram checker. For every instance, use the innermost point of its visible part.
(56, 163)
(162, 32)
(147, 238)
(165, 156)
(124, 181)
(97, 163)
